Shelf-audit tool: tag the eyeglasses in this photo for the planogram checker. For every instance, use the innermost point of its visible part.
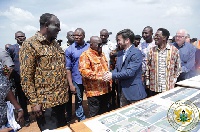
(180, 36)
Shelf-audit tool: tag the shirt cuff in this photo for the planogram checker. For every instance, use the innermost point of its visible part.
(147, 81)
(68, 68)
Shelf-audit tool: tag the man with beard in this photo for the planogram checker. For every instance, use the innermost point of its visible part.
(128, 70)
(43, 74)
(163, 64)
(74, 77)
(14, 53)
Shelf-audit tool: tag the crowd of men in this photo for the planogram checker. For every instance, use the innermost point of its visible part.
(48, 75)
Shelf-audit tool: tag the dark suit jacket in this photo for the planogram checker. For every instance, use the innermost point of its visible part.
(13, 50)
(129, 74)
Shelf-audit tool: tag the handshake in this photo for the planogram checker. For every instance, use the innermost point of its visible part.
(107, 76)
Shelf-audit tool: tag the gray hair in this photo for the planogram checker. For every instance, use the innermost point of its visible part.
(183, 31)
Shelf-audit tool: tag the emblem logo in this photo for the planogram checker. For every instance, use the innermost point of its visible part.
(183, 115)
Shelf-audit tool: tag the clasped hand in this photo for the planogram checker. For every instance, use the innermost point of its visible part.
(107, 76)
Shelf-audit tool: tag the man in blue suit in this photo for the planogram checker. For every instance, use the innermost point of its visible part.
(14, 53)
(128, 70)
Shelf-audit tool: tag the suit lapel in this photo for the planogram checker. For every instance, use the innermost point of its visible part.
(17, 48)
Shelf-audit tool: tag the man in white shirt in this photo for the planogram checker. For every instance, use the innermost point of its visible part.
(148, 43)
(107, 45)
(147, 34)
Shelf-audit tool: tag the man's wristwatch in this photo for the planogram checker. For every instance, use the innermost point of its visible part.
(19, 110)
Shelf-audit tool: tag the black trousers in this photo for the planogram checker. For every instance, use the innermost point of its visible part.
(124, 101)
(98, 104)
(151, 93)
(69, 107)
(115, 96)
(22, 99)
(52, 118)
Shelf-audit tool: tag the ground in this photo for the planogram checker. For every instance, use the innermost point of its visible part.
(34, 127)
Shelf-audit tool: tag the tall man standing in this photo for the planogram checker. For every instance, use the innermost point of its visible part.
(147, 34)
(187, 55)
(73, 75)
(92, 66)
(163, 64)
(43, 74)
(128, 69)
(14, 53)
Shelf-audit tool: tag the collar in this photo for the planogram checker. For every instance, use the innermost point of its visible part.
(107, 42)
(179, 46)
(94, 52)
(19, 45)
(153, 42)
(77, 45)
(127, 49)
(168, 47)
(42, 38)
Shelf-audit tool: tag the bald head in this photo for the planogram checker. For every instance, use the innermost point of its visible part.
(70, 33)
(96, 44)
(70, 37)
(104, 35)
(7, 46)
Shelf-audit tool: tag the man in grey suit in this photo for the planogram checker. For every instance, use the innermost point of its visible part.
(128, 70)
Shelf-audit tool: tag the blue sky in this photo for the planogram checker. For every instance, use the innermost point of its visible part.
(94, 15)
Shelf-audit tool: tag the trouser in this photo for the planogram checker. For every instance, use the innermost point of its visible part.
(152, 93)
(78, 103)
(115, 95)
(124, 101)
(98, 104)
(52, 118)
(69, 107)
(22, 99)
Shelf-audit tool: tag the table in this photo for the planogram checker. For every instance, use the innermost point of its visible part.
(193, 82)
(146, 115)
